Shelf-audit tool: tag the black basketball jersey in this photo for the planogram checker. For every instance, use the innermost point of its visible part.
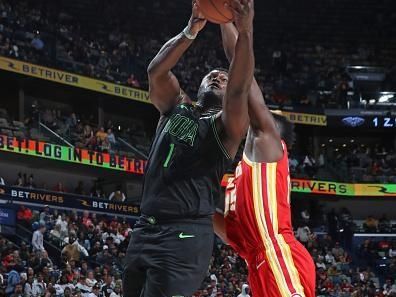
(186, 164)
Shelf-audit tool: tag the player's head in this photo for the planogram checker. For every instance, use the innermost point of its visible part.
(286, 129)
(212, 89)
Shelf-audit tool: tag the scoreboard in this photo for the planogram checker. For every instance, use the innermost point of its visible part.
(386, 122)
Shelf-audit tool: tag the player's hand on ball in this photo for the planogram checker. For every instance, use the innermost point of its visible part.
(243, 11)
(197, 21)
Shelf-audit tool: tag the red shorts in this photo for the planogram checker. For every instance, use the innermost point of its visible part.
(296, 278)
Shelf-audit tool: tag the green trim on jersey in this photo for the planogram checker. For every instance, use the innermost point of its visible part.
(216, 134)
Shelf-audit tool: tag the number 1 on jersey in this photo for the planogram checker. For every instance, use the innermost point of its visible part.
(168, 158)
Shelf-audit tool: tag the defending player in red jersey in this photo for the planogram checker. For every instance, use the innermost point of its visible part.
(257, 217)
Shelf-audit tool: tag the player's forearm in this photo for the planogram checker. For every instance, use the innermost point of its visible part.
(235, 106)
(220, 227)
(256, 101)
(169, 55)
(229, 36)
(242, 65)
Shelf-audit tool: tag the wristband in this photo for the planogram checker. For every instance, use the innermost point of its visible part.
(188, 35)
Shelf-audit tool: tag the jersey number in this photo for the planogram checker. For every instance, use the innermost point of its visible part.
(169, 157)
(230, 198)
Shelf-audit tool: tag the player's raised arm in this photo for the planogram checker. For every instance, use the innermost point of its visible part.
(234, 119)
(164, 88)
(261, 120)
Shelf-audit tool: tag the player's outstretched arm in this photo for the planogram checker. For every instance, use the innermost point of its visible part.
(261, 120)
(234, 120)
(164, 88)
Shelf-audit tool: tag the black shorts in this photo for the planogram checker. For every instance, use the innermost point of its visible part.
(168, 260)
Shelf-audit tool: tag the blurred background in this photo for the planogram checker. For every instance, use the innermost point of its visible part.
(76, 126)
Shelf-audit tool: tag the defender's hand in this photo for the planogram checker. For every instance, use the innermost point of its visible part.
(197, 20)
(243, 11)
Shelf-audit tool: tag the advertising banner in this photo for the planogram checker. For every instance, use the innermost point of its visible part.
(39, 198)
(68, 154)
(7, 216)
(71, 79)
(336, 188)
(306, 118)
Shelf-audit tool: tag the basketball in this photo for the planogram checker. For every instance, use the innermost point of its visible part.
(215, 11)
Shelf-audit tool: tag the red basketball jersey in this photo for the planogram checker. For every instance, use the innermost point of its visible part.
(258, 197)
(258, 220)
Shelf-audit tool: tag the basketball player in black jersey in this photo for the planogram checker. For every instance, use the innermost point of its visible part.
(172, 242)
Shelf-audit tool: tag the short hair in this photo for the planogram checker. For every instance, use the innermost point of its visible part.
(221, 69)
(286, 129)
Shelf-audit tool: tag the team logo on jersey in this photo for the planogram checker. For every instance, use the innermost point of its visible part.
(183, 128)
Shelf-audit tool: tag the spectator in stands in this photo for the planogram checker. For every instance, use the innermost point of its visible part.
(70, 123)
(44, 261)
(305, 216)
(116, 292)
(309, 166)
(107, 287)
(101, 135)
(90, 280)
(384, 224)
(79, 190)
(96, 190)
(329, 258)
(245, 291)
(133, 82)
(293, 163)
(111, 138)
(28, 287)
(95, 291)
(104, 256)
(24, 215)
(67, 292)
(105, 146)
(60, 188)
(19, 182)
(320, 263)
(89, 139)
(73, 250)
(2, 182)
(303, 234)
(63, 222)
(37, 43)
(38, 239)
(86, 219)
(39, 286)
(13, 278)
(56, 232)
(24, 251)
(30, 183)
(18, 292)
(337, 250)
(117, 195)
(46, 217)
(82, 286)
(370, 224)
(392, 250)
